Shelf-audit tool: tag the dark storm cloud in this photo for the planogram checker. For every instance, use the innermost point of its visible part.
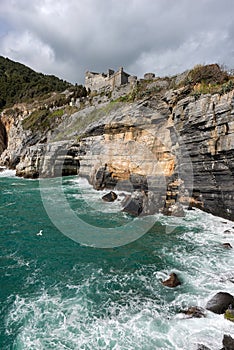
(164, 36)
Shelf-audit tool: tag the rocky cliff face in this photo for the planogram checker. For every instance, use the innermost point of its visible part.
(172, 145)
(206, 127)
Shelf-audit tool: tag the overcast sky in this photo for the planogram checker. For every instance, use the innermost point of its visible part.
(68, 37)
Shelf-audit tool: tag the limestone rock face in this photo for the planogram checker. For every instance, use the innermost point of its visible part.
(206, 127)
(16, 138)
(48, 160)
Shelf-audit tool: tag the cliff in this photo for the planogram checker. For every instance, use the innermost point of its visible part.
(167, 138)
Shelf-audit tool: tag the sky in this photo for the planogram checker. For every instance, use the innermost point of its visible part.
(68, 37)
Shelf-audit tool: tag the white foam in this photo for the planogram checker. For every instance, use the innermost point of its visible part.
(7, 173)
(132, 310)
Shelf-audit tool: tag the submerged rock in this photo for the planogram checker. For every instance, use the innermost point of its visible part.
(220, 302)
(174, 210)
(172, 281)
(202, 347)
(227, 245)
(194, 311)
(227, 231)
(228, 342)
(110, 197)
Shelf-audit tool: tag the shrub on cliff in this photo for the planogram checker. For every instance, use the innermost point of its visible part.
(209, 74)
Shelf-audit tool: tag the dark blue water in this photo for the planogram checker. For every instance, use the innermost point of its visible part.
(58, 294)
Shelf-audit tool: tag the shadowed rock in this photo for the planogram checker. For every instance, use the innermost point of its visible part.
(228, 342)
(220, 302)
(110, 197)
(133, 205)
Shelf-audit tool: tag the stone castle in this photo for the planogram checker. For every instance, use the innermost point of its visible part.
(108, 81)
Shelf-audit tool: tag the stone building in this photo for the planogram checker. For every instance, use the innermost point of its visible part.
(106, 81)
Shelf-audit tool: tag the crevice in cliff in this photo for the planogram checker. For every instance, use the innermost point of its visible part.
(3, 137)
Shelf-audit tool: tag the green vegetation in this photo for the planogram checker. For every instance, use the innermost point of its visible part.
(83, 121)
(19, 83)
(143, 89)
(41, 120)
(209, 74)
(204, 88)
(207, 79)
(44, 119)
(229, 315)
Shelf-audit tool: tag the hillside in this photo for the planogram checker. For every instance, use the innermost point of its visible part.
(19, 83)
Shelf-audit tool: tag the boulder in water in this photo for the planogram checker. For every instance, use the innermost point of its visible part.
(220, 302)
(110, 197)
(133, 205)
(228, 342)
(172, 282)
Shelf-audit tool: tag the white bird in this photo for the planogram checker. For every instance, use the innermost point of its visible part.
(40, 233)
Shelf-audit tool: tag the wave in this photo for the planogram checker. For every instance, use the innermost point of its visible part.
(83, 298)
(7, 173)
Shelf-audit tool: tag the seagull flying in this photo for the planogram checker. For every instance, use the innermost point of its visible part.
(40, 233)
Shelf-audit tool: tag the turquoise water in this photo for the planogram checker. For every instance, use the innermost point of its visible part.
(58, 294)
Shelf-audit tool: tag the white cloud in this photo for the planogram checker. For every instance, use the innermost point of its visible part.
(28, 48)
(68, 37)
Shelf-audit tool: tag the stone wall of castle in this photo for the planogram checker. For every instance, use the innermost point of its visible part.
(111, 80)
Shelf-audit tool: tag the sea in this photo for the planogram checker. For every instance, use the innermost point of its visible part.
(61, 291)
